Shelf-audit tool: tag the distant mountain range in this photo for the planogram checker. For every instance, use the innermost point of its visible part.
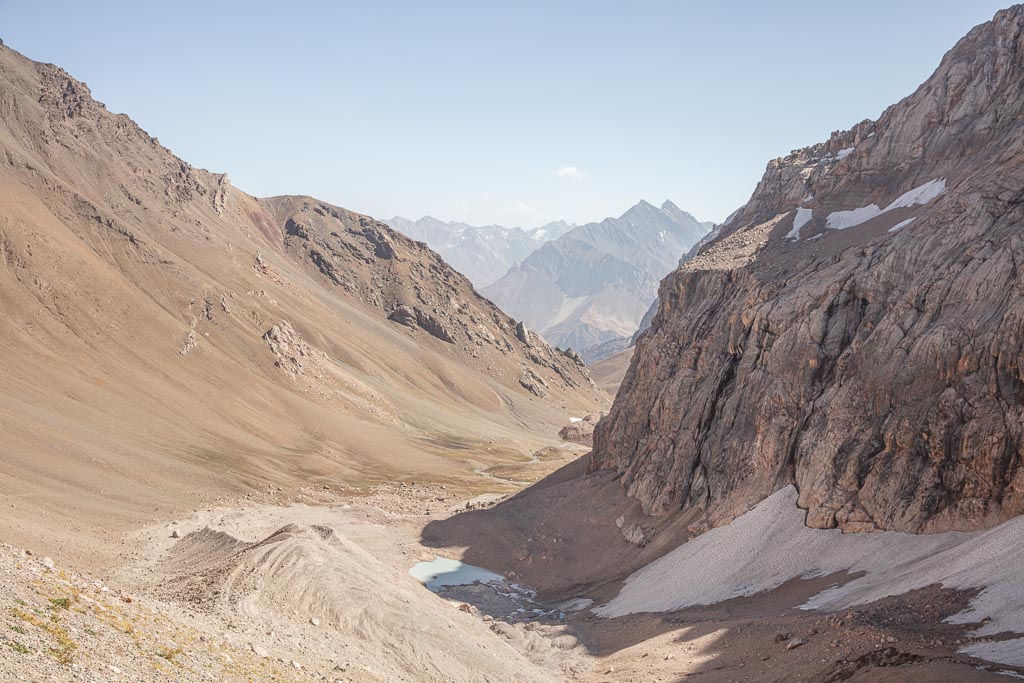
(589, 288)
(483, 254)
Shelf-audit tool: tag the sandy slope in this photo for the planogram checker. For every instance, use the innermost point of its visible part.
(266, 593)
(169, 341)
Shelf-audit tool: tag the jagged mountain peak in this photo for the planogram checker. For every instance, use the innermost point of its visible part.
(481, 253)
(592, 285)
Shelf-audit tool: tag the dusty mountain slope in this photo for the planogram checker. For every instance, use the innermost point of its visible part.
(327, 585)
(168, 338)
(857, 329)
(264, 593)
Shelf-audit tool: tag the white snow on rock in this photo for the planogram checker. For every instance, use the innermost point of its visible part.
(841, 220)
(919, 195)
(843, 153)
(799, 220)
(922, 194)
(902, 224)
(770, 545)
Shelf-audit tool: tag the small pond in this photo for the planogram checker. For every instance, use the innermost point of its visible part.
(492, 594)
(441, 572)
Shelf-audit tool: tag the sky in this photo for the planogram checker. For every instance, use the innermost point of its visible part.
(514, 113)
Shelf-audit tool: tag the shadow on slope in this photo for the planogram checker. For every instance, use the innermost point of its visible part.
(559, 536)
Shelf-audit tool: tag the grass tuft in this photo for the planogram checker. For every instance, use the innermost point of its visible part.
(169, 653)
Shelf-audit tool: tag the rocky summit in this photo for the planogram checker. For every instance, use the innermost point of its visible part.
(857, 328)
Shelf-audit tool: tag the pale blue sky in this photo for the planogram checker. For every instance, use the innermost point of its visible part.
(470, 110)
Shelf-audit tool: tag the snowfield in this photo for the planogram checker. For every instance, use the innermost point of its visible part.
(841, 220)
(920, 195)
(770, 545)
(799, 220)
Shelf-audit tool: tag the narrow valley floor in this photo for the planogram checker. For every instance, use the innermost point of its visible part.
(319, 590)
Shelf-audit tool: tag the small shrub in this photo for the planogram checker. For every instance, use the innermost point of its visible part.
(64, 652)
(169, 653)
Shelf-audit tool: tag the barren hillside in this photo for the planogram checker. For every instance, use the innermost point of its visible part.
(168, 338)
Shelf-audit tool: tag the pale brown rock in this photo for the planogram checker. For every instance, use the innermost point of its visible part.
(581, 432)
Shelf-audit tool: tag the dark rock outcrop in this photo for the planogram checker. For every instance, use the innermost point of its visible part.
(857, 328)
(415, 317)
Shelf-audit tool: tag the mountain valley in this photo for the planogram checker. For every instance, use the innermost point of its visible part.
(269, 439)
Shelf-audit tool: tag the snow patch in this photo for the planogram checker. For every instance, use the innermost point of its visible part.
(799, 220)
(902, 224)
(770, 545)
(841, 220)
(921, 194)
(843, 153)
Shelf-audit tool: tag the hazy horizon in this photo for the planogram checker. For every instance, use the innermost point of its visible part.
(515, 116)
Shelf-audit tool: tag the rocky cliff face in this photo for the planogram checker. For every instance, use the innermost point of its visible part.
(857, 328)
